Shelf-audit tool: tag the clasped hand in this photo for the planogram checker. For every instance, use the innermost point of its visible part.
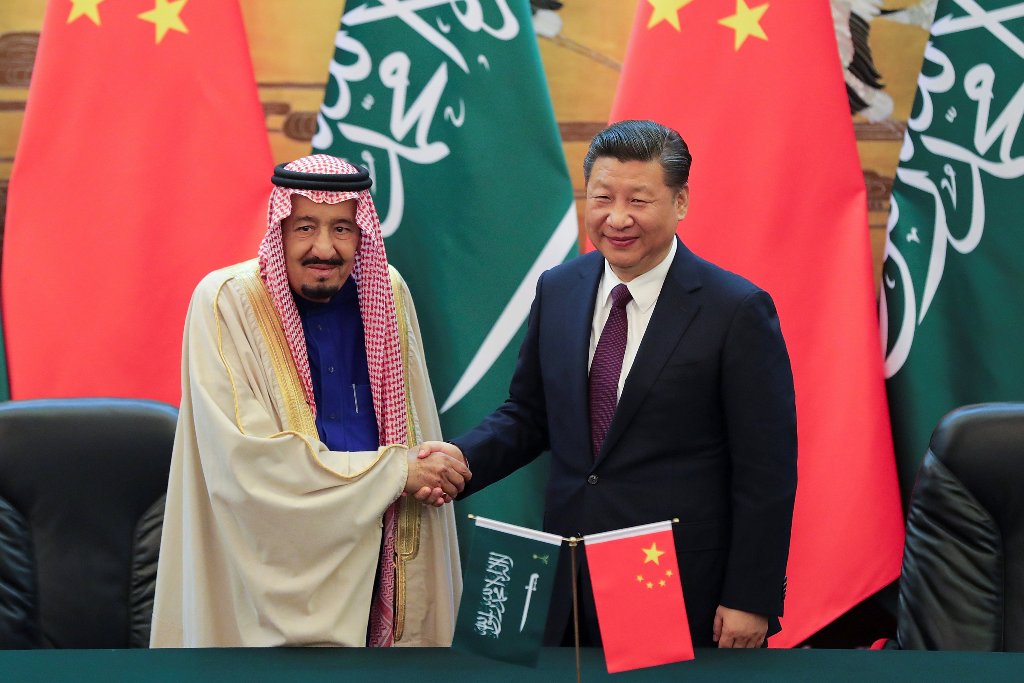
(438, 472)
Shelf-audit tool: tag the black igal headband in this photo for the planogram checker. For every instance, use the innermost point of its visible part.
(329, 182)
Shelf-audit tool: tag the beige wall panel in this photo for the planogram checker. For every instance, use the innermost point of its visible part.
(584, 60)
(21, 15)
(899, 51)
(582, 84)
(291, 42)
(10, 124)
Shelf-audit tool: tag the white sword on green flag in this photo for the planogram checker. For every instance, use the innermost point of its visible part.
(529, 593)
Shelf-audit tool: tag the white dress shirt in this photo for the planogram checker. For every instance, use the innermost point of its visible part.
(645, 290)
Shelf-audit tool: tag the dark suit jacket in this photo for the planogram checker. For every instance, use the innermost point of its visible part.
(705, 431)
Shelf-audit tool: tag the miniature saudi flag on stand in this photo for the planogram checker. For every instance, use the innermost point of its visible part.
(507, 591)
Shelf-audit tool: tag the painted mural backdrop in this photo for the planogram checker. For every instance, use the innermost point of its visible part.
(582, 44)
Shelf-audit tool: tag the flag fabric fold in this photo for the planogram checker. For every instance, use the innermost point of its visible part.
(639, 596)
(448, 108)
(777, 195)
(506, 593)
(953, 266)
(143, 164)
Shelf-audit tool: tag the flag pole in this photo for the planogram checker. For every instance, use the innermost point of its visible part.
(573, 542)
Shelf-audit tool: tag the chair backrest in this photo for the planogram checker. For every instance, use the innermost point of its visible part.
(82, 485)
(962, 584)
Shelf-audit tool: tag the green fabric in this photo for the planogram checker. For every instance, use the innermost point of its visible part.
(452, 116)
(505, 596)
(435, 665)
(953, 325)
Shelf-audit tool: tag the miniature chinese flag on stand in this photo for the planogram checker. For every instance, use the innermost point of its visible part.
(639, 597)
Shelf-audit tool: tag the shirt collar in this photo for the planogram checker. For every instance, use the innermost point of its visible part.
(644, 288)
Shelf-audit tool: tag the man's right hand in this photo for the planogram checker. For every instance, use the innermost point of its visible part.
(434, 476)
(428, 448)
(437, 497)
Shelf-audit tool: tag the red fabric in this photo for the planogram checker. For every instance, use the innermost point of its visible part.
(879, 644)
(639, 601)
(142, 166)
(777, 195)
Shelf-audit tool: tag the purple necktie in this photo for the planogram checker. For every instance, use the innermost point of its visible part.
(606, 368)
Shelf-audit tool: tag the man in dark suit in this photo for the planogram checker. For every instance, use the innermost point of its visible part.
(662, 387)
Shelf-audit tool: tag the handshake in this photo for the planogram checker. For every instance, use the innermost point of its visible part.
(438, 472)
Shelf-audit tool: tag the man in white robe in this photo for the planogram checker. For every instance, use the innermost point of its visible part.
(269, 537)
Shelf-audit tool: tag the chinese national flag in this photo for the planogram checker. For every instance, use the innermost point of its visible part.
(638, 596)
(142, 165)
(777, 195)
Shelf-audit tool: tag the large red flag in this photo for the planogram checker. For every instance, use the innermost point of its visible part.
(777, 195)
(638, 596)
(143, 164)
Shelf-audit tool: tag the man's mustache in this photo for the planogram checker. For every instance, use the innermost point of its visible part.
(313, 261)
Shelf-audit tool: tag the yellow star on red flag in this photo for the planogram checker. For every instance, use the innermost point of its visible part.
(166, 16)
(652, 554)
(85, 8)
(746, 22)
(666, 10)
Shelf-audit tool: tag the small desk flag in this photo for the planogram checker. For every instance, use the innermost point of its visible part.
(507, 591)
(639, 596)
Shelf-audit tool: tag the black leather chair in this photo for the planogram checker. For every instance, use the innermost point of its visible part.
(82, 485)
(962, 583)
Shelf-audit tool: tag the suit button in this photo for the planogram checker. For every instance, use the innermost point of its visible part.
(592, 479)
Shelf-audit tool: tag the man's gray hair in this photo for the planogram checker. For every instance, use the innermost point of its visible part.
(642, 141)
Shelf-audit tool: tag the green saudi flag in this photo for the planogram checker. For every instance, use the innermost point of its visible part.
(447, 106)
(952, 322)
(506, 593)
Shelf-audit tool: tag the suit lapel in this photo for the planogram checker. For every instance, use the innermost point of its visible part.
(673, 313)
(579, 317)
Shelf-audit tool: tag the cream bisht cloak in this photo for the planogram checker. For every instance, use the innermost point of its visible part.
(269, 538)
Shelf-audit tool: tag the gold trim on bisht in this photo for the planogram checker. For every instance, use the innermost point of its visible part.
(300, 417)
(407, 541)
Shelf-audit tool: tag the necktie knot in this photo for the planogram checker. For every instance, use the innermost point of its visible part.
(621, 296)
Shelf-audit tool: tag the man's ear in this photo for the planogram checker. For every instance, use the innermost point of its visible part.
(682, 202)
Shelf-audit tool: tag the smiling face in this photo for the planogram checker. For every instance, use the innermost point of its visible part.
(631, 214)
(320, 245)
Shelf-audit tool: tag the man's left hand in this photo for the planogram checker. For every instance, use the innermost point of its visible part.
(735, 628)
(432, 497)
(436, 497)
